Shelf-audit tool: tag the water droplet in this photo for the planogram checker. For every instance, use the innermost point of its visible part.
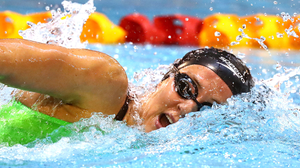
(278, 66)
(217, 34)
(275, 2)
(262, 38)
(293, 89)
(211, 8)
(64, 32)
(279, 35)
(288, 84)
(116, 56)
(239, 38)
(241, 55)
(169, 36)
(244, 26)
(234, 43)
(295, 14)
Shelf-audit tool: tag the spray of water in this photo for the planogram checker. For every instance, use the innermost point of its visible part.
(65, 27)
(290, 32)
(237, 132)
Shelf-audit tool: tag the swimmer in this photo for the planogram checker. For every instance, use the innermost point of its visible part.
(70, 84)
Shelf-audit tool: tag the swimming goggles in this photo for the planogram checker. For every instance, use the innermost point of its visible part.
(187, 88)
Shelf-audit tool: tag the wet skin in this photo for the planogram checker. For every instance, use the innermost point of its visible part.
(165, 102)
(70, 84)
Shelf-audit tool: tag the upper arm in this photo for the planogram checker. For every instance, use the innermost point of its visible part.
(76, 76)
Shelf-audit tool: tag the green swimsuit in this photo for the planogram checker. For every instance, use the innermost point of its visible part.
(21, 125)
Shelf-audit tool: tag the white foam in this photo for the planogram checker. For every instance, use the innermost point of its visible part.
(65, 27)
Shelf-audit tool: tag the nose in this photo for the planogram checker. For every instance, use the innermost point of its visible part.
(187, 106)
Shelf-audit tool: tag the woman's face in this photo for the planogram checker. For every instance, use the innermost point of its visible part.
(165, 106)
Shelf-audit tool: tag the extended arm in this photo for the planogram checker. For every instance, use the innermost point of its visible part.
(76, 76)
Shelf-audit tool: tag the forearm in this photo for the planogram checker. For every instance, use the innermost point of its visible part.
(23, 62)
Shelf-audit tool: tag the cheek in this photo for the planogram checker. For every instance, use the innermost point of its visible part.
(167, 96)
(166, 89)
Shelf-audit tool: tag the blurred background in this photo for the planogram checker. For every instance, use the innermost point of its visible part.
(116, 9)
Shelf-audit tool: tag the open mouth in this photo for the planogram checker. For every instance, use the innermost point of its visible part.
(165, 120)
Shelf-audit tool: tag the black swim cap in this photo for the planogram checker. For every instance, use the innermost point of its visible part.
(227, 66)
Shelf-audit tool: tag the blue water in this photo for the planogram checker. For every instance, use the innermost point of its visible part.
(258, 129)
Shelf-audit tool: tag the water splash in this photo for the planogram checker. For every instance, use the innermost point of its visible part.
(244, 35)
(142, 84)
(258, 129)
(65, 27)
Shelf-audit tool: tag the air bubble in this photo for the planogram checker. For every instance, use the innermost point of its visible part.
(275, 2)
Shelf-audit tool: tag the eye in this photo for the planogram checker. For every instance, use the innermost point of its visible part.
(185, 86)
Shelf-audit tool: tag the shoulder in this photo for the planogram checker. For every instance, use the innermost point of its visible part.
(103, 84)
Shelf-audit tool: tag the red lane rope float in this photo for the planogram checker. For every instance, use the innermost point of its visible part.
(140, 30)
(170, 29)
(179, 29)
(98, 28)
(218, 30)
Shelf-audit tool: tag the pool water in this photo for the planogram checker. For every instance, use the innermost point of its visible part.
(257, 129)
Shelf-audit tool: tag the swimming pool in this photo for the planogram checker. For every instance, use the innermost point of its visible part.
(260, 129)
